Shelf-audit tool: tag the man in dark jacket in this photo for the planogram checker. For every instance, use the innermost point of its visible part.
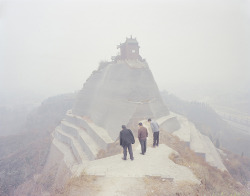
(126, 141)
(142, 136)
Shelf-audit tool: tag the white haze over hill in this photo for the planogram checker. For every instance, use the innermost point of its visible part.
(192, 47)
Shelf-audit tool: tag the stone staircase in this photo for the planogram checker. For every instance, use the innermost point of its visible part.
(99, 134)
(82, 137)
(72, 142)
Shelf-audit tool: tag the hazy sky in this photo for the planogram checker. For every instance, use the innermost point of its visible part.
(51, 47)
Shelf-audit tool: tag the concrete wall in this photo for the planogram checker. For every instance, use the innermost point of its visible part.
(171, 125)
(113, 94)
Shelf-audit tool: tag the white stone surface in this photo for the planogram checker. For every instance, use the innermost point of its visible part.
(154, 163)
(68, 157)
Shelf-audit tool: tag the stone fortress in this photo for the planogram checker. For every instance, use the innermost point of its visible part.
(120, 92)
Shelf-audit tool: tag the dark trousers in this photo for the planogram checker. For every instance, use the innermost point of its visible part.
(129, 147)
(143, 145)
(156, 139)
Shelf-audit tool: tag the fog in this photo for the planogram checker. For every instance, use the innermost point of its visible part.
(194, 48)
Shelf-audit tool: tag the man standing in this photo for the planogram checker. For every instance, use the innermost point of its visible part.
(142, 136)
(155, 130)
(126, 141)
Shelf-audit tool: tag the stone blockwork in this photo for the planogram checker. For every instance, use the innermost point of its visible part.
(82, 136)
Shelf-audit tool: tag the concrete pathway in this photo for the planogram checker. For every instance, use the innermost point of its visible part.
(154, 163)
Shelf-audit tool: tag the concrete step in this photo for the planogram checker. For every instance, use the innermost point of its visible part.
(99, 134)
(65, 149)
(88, 145)
(68, 139)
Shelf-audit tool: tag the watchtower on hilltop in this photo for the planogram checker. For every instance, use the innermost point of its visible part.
(129, 50)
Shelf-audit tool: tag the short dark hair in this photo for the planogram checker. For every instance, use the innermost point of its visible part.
(149, 119)
(123, 126)
(140, 124)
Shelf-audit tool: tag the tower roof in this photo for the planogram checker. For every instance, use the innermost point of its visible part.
(131, 41)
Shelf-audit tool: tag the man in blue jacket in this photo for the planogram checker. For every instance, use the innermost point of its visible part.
(126, 141)
(155, 129)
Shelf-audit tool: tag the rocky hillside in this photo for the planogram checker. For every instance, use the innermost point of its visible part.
(9, 115)
(25, 154)
(235, 144)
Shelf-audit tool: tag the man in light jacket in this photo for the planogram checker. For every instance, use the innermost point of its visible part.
(126, 141)
(155, 129)
(142, 136)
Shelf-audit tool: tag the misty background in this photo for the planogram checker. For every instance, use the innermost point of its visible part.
(197, 50)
